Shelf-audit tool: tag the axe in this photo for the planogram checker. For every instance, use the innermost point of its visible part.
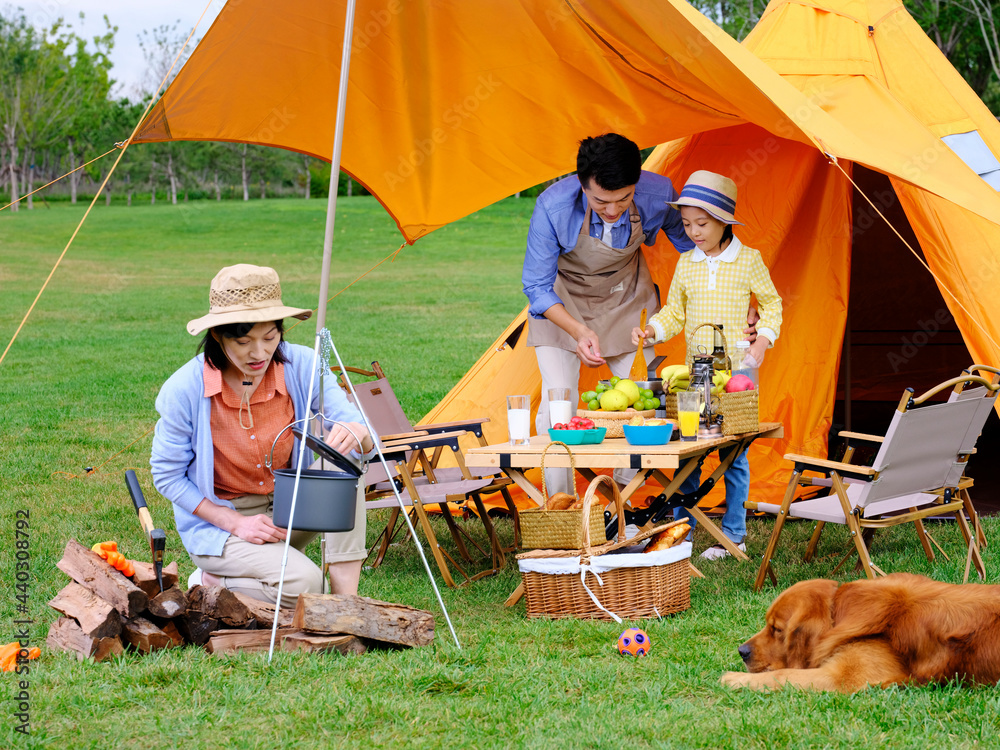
(157, 537)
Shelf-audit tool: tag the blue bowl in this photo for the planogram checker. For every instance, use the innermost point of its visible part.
(648, 434)
(592, 436)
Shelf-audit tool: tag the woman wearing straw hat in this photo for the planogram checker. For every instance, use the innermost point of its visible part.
(713, 284)
(219, 415)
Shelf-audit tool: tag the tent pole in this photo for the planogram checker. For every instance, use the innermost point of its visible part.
(324, 290)
(338, 140)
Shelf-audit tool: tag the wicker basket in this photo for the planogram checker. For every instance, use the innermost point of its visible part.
(627, 592)
(740, 411)
(558, 529)
(613, 420)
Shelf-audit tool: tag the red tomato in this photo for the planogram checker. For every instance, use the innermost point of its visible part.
(560, 426)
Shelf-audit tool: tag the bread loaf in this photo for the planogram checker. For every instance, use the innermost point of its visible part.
(560, 501)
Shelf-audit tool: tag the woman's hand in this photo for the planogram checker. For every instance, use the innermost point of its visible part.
(646, 336)
(341, 440)
(259, 529)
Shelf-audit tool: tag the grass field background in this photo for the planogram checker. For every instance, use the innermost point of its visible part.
(78, 386)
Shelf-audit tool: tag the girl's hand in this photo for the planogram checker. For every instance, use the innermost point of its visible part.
(758, 348)
(259, 529)
(341, 440)
(645, 336)
(750, 332)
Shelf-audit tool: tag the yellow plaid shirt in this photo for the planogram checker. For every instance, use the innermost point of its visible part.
(718, 290)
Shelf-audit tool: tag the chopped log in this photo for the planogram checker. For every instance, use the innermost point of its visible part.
(144, 636)
(196, 627)
(219, 603)
(302, 641)
(88, 569)
(368, 618)
(65, 634)
(145, 577)
(263, 612)
(170, 628)
(97, 618)
(286, 639)
(171, 603)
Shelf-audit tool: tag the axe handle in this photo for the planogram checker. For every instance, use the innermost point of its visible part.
(156, 537)
(139, 501)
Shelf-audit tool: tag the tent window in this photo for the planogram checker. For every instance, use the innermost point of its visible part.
(972, 149)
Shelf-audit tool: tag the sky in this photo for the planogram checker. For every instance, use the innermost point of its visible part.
(130, 16)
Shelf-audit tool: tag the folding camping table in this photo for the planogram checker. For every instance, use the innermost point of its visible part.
(650, 461)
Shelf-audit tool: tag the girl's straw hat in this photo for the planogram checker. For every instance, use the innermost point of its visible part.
(710, 192)
(244, 294)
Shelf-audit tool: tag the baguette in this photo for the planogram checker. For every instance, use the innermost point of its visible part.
(668, 538)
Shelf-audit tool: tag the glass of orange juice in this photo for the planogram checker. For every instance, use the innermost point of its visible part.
(688, 413)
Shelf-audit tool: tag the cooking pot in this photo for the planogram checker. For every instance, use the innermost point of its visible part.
(327, 499)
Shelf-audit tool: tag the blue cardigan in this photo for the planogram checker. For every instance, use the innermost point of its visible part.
(182, 461)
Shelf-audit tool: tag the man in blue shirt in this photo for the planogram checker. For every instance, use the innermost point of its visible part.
(584, 273)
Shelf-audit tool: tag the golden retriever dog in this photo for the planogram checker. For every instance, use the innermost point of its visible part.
(902, 629)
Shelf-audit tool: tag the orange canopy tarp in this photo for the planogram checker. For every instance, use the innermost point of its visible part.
(453, 105)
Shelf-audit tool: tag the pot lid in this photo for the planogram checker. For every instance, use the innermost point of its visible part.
(326, 452)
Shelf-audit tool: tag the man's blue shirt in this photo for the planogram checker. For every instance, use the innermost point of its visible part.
(558, 217)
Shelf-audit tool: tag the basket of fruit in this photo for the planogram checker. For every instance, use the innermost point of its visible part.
(558, 524)
(734, 397)
(612, 404)
(579, 431)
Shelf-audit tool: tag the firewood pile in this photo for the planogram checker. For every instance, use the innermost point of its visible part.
(105, 613)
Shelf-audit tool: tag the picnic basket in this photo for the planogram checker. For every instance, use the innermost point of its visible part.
(739, 410)
(591, 583)
(559, 529)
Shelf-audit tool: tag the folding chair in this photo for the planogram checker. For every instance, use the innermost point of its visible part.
(919, 468)
(415, 455)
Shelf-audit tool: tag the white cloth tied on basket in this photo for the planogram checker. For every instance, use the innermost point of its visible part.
(602, 564)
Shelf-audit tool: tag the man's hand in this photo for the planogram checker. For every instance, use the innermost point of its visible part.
(750, 332)
(588, 349)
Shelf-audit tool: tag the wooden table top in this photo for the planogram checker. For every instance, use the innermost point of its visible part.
(613, 453)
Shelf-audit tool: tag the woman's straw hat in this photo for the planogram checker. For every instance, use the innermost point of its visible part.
(244, 294)
(710, 192)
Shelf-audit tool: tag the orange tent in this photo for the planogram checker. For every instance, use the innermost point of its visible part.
(452, 105)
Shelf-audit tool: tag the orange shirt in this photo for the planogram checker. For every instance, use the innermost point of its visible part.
(240, 453)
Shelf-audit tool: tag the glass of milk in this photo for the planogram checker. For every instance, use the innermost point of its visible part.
(560, 406)
(519, 419)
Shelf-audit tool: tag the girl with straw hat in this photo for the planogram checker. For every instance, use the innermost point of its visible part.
(219, 415)
(714, 283)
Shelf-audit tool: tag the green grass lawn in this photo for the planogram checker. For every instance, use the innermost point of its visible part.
(78, 386)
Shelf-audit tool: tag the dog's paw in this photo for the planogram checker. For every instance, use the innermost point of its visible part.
(735, 679)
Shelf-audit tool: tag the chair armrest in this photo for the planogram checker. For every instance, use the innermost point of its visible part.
(421, 442)
(465, 425)
(403, 436)
(860, 436)
(822, 464)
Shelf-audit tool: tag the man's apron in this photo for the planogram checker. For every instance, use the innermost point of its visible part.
(604, 288)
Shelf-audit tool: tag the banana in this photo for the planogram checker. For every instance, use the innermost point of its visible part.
(671, 371)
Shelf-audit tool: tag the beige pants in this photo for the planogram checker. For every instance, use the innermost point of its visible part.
(255, 569)
(561, 369)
